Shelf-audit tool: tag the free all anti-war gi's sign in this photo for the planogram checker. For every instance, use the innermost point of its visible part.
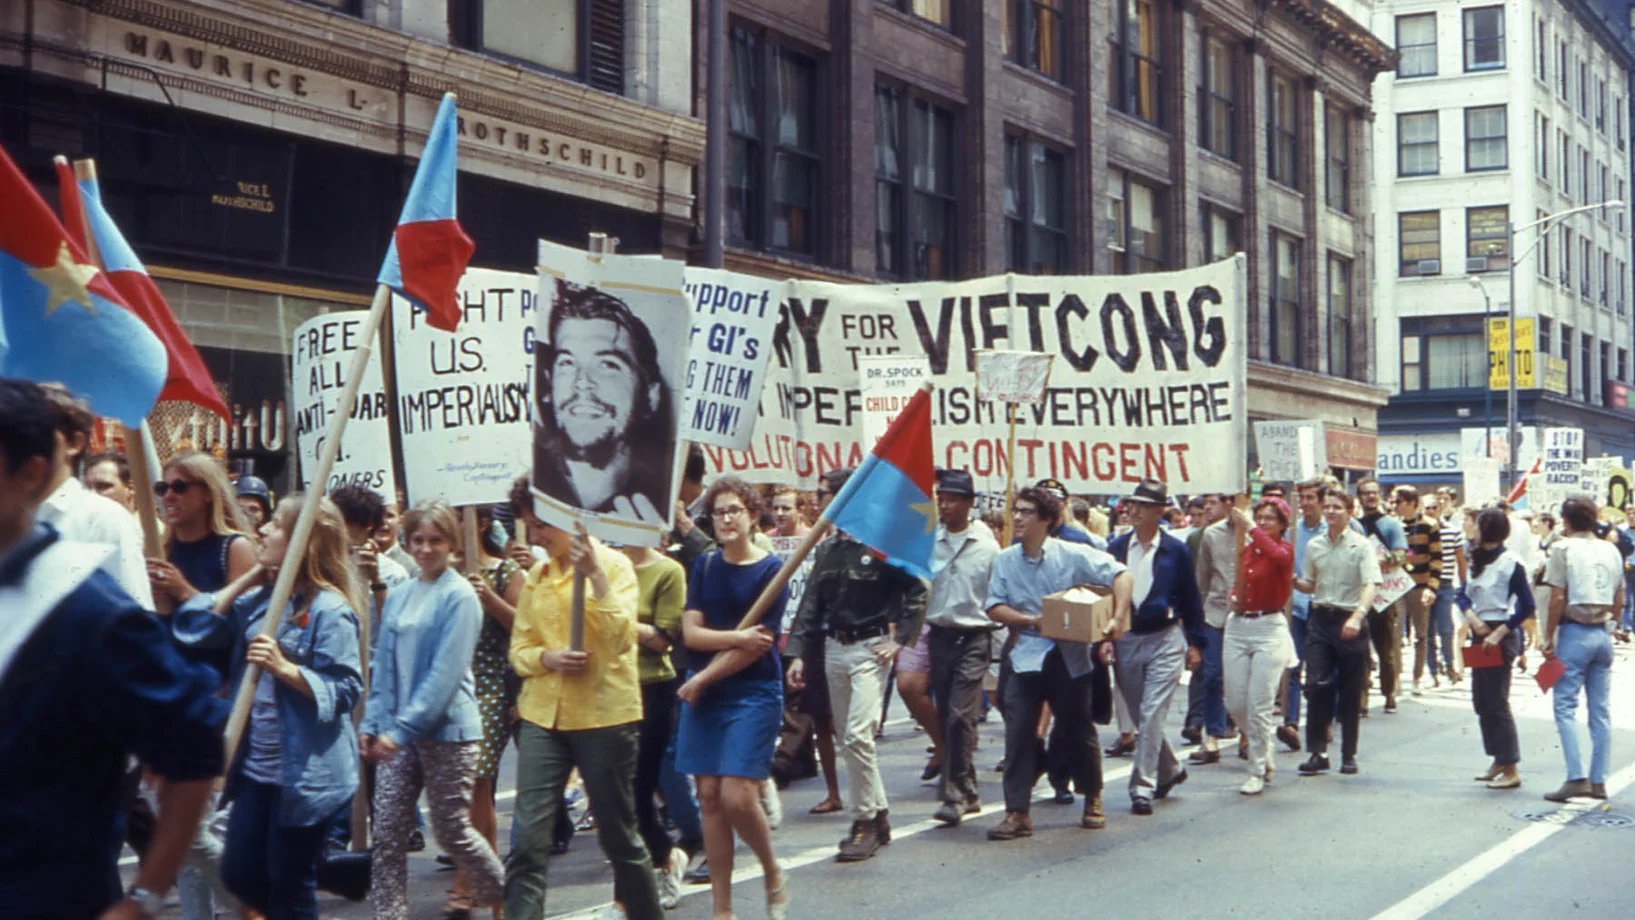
(463, 398)
(320, 358)
(1147, 379)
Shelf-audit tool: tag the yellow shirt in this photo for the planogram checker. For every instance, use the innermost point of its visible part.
(608, 691)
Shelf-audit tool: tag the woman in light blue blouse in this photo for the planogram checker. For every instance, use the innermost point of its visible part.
(421, 726)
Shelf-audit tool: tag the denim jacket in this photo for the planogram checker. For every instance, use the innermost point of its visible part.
(421, 686)
(316, 740)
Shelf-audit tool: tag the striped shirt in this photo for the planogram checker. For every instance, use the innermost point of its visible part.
(1453, 540)
(1424, 560)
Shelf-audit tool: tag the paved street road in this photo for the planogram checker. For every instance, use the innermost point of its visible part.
(1411, 836)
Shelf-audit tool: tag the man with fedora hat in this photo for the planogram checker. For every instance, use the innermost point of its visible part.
(960, 635)
(1164, 637)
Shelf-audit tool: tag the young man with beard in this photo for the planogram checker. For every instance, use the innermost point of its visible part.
(1384, 626)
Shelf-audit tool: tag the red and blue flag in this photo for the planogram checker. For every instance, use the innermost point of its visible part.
(887, 505)
(61, 320)
(429, 250)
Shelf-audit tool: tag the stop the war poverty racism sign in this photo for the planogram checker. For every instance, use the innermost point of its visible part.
(1147, 382)
(320, 358)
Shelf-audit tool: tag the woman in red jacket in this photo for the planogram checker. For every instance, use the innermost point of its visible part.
(1257, 648)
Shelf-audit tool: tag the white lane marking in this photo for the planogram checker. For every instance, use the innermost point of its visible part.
(1464, 877)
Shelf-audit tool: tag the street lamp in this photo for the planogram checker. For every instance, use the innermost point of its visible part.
(1544, 224)
(1487, 402)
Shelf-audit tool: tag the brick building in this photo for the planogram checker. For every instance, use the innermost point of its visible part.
(922, 139)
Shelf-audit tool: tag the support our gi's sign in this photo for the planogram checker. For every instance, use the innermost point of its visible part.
(733, 320)
(1148, 379)
(463, 398)
(321, 354)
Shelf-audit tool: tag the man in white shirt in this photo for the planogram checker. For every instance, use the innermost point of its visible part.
(80, 515)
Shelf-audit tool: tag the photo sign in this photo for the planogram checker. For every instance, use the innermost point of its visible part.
(733, 321)
(887, 382)
(1291, 451)
(321, 356)
(464, 398)
(1148, 378)
(610, 352)
(1012, 376)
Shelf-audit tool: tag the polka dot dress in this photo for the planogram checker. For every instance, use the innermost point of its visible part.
(490, 666)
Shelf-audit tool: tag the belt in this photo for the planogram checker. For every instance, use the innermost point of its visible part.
(854, 636)
(1256, 614)
(961, 633)
(1331, 608)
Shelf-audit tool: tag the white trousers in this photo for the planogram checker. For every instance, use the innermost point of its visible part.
(857, 688)
(1254, 656)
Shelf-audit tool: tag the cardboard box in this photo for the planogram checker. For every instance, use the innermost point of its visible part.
(1080, 614)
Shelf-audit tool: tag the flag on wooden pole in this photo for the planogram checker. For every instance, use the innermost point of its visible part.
(429, 249)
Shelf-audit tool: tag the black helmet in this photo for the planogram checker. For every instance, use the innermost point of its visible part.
(252, 487)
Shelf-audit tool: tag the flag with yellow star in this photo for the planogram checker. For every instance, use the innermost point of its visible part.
(887, 505)
(60, 319)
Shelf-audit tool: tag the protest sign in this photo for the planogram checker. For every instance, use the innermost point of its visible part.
(783, 547)
(463, 398)
(611, 348)
(1561, 469)
(1481, 480)
(1393, 582)
(887, 383)
(1012, 376)
(733, 320)
(1291, 451)
(1595, 478)
(320, 356)
(1491, 442)
(1618, 487)
(1148, 379)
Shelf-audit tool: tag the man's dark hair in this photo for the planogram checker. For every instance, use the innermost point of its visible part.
(1365, 481)
(360, 506)
(1407, 494)
(1346, 498)
(122, 464)
(1548, 519)
(733, 485)
(1044, 502)
(1195, 502)
(520, 500)
(654, 423)
(30, 429)
(1580, 513)
(1081, 510)
(694, 470)
(71, 413)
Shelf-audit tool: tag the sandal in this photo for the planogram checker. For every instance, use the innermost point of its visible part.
(778, 910)
(826, 807)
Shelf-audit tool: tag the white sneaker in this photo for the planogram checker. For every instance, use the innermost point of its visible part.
(669, 880)
(1271, 770)
(1252, 786)
(771, 803)
(1418, 691)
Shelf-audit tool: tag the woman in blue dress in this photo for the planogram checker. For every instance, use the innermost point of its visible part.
(733, 706)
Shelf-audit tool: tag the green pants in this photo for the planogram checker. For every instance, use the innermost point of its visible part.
(606, 758)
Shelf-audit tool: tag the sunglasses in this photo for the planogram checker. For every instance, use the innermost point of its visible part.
(179, 486)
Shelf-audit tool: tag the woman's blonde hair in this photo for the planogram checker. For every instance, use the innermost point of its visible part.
(439, 515)
(327, 562)
(203, 468)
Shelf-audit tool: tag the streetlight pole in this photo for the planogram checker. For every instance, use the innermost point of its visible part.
(1487, 391)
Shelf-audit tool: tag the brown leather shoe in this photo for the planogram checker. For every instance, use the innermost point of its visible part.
(1094, 818)
(1016, 825)
(1568, 790)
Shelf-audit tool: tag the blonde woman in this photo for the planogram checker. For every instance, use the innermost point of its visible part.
(207, 542)
(422, 726)
(297, 767)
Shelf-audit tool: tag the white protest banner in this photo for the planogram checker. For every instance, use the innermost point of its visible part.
(1012, 376)
(1148, 379)
(610, 351)
(783, 547)
(1481, 480)
(887, 383)
(1393, 582)
(1560, 471)
(733, 319)
(1491, 442)
(320, 355)
(1595, 479)
(463, 398)
(1291, 451)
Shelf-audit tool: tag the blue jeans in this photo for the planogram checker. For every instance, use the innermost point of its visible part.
(1214, 692)
(1441, 631)
(1587, 653)
(1628, 618)
(272, 868)
(1291, 697)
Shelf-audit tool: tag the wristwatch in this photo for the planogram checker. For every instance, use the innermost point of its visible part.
(378, 586)
(150, 903)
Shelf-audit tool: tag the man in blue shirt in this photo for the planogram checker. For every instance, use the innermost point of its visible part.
(87, 678)
(1039, 670)
(1383, 625)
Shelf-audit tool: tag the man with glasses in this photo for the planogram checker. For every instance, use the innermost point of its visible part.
(861, 611)
(1384, 625)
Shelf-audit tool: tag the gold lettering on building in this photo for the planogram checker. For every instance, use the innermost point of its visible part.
(252, 196)
(573, 153)
(247, 71)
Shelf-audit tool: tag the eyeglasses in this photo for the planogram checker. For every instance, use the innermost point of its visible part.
(1020, 511)
(722, 514)
(178, 486)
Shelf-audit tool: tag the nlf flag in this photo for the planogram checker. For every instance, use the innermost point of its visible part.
(60, 319)
(429, 251)
(886, 505)
(187, 378)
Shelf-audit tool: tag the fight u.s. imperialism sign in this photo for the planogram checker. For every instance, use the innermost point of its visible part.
(1148, 378)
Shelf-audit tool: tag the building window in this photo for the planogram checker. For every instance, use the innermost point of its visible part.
(1618, 121)
(1586, 270)
(1484, 38)
(1487, 236)
(1543, 263)
(1341, 360)
(1566, 258)
(1623, 364)
(1456, 361)
(915, 208)
(1035, 206)
(1585, 370)
(1606, 278)
(1602, 186)
(1283, 133)
(1135, 216)
(1544, 335)
(1416, 45)
(1032, 36)
(1621, 273)
(1604, 352)
(1417, 153)
(1562, 70)
(350, 7)
(773, 171)
(1566, 159)
(1618, 212)
(1337, 178)
(1541, 145)
(1601, 106)
(1583, 176)
(1567, 351)
(1217, 98)
(1486, 143)
(1584, 88)
(581, 39)
(1286, 320)
(1221, 233)
(1134, 63)
(1412, 364)
(940, 12)
(1420, 243)
(1542, 44)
